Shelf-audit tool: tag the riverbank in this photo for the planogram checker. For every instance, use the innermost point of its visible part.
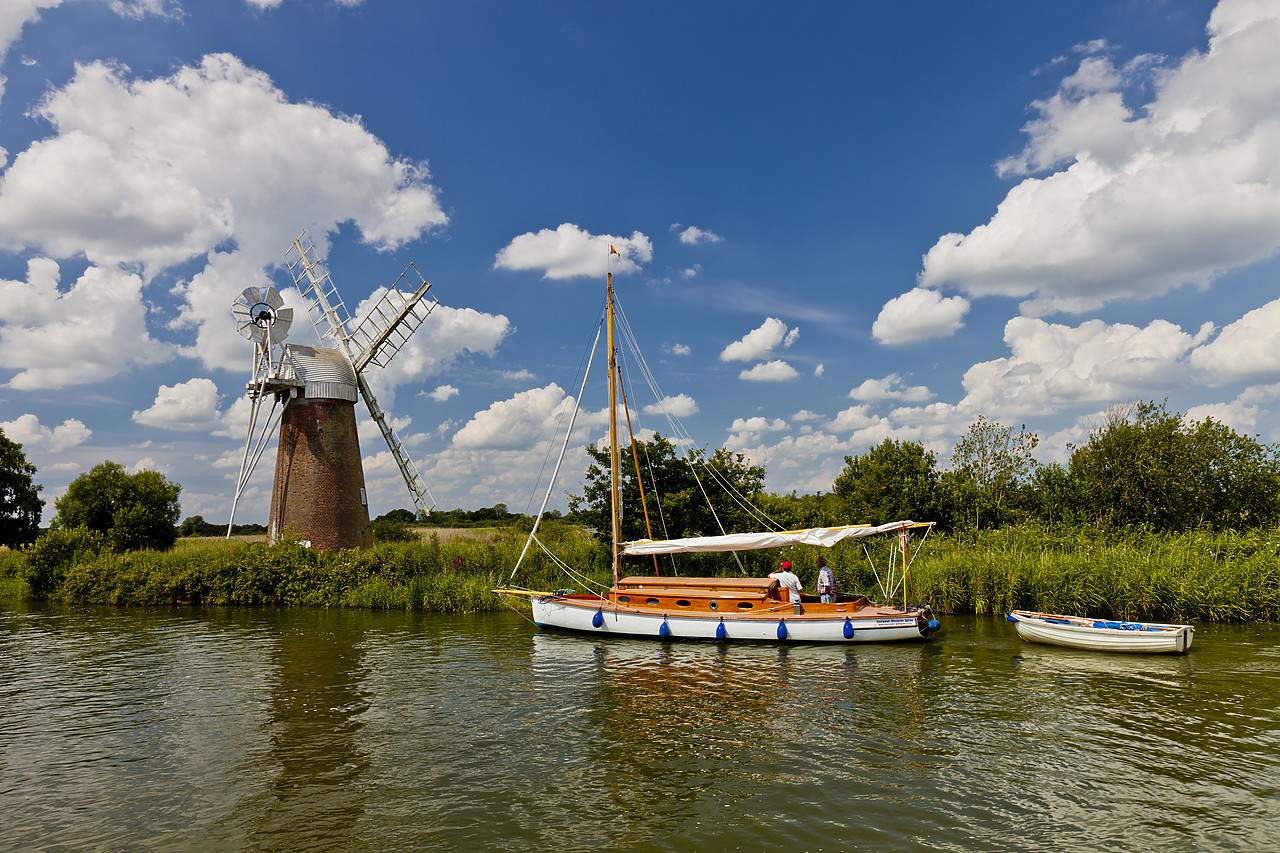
(1189, 577)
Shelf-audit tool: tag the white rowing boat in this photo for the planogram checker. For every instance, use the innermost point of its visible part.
(1100, 635)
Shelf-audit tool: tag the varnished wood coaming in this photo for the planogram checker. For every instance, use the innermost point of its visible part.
(714, 598)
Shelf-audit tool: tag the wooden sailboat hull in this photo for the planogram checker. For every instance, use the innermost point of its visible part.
(1094, 635)
(591, 615)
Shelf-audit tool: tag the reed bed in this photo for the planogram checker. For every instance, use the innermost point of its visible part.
(1228, 577)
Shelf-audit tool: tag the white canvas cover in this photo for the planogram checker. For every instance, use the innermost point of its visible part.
(824, 536)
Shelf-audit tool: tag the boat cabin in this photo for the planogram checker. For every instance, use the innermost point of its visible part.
(710, 595)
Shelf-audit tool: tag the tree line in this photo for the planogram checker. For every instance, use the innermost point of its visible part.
(1143, 467)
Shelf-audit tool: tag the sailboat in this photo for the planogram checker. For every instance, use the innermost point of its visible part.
(726, 609)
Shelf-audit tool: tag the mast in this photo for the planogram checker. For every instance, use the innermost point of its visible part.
(613, 436)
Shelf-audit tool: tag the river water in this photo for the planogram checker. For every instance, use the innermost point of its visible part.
(229, 729)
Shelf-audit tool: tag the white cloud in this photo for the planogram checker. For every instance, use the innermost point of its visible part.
(443, 392)
(679, 406)
(693, 236)
(28, 431)
(189, 405)
(760, 343)
(1247, 350)
(890, 388)
(89, 333)
(919, 315)
(570, 252)
(757, 425)
(819, 370)
(1172, 192)
(679, 349)
(518, 422)
(211, 161)
(443, 338)
(770, 371)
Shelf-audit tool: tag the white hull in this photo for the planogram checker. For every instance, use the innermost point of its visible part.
(551, 611)
(1075, 633)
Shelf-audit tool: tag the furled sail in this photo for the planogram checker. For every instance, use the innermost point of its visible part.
(824, 536)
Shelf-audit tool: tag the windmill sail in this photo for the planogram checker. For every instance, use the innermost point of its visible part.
(376, 340)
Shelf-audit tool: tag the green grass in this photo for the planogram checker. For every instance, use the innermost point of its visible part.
(1187, 577)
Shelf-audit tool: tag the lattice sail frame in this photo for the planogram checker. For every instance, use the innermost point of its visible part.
(376, 340)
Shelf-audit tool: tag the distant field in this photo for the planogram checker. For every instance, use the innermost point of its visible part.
(444, 534)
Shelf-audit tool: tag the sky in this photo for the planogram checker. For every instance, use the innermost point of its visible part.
(836, 223)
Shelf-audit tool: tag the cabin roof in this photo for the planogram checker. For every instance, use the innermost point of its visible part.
(677, 583)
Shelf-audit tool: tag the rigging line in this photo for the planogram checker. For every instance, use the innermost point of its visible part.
(559, 422)
(563, 448)
(635, 459)
(662, 519)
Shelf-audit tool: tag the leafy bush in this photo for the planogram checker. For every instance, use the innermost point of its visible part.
(49, 557)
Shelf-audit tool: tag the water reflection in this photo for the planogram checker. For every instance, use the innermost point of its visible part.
(313, 730)
(312, 757)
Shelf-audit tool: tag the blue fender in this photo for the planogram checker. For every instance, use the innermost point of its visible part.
(721, 633)
(848, 629)
(782, 629)
(598, 619)
(664, 630)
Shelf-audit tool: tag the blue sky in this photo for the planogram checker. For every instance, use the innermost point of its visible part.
(838, 222)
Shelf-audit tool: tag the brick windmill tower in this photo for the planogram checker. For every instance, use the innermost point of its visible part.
(318, 495)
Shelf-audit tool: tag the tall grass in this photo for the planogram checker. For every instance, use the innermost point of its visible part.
(1187, 577)
(1183, 577)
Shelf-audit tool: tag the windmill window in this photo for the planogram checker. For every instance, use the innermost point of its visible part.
(364, 498)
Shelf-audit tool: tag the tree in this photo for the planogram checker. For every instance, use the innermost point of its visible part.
(133, 511)
(1155, 470)
(893, 481)
(20, 503)
(990, 466)
(693, 495)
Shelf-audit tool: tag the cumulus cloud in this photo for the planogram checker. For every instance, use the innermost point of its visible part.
(189, 405)
(890, 387)
(1146, 198)
(209, 162)
(516, 422)
(93, 331)
(443, 392)
(762, 342)
(770, 371)
(1247, 350)
(32, 435)
(570, 252)
(693, 236)
(678, 349)
(679, 406)
(757, 425)
(919, 315)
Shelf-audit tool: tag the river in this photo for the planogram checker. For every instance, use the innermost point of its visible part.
(297, 729)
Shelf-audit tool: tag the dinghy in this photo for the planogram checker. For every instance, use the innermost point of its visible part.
(1099, 635)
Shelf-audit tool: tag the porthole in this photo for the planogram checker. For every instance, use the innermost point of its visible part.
(684, 602)
(745, 605)
(652, 602)
(624, 599)
(714, 605)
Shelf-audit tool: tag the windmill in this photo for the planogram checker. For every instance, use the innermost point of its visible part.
(318, 495)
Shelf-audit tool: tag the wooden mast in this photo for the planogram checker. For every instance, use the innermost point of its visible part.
(613, 435)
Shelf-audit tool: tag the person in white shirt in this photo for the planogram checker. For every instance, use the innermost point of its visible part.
(788, 579)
